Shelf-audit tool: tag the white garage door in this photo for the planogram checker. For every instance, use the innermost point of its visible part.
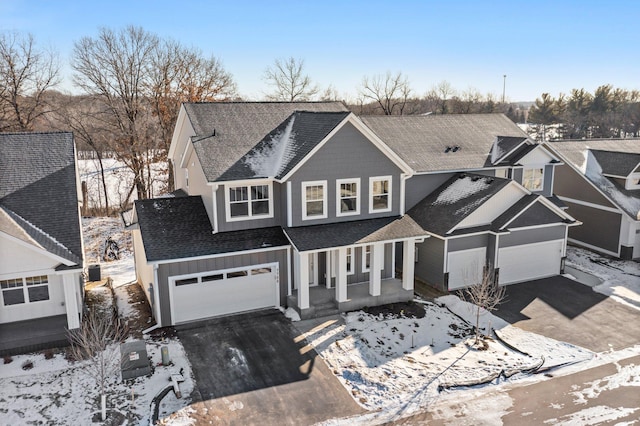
(529, 262)
(465, 267)
(223, 292)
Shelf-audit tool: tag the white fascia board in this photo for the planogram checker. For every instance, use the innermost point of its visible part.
(182, 116)
(398, 240)
(591, 205)
(512, 151)
(188, 148)
(615, 176)
(360, 126)
(213, 256)
(39, 249)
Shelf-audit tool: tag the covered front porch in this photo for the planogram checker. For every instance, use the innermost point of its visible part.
(322, 300)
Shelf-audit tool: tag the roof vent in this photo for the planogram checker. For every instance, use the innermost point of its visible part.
(475, 178)
(489, 180)
(446, 151)
(456, 148)
(462, 176)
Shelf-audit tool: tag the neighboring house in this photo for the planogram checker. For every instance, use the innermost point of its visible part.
(303, 205)
(600, 182)
(489, 200)
(41, 250)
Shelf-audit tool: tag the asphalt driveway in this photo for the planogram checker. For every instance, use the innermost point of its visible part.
(568, 311)
(252, 369)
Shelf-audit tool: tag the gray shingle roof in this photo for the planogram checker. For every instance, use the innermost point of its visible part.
(527, 212)
(454, 200)
(316, 237)
(238, 127)
(178, 227)
(421, 141)
(504, 145)
(616, 163)
(285, 146)
(38, 190)
(576, 153)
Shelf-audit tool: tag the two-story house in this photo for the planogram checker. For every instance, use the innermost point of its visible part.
(309, 206)
(41, 250)
(600, 182)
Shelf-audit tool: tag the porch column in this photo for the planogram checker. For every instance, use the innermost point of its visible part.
(341, 274)
(376, 263)
(408, 264)
(301, 264)
(328, 267)
(70, 284)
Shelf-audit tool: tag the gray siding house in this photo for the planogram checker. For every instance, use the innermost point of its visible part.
(306, 205)
(600, 183)
(41, 251)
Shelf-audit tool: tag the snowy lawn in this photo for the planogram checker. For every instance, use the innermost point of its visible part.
(393, 362)
(57, 391)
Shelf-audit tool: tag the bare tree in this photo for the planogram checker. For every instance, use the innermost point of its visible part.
(114, 67)
(179, 74)
(441, 94)
(289, 81)
(26, 73)
(389, 92)
(96, 343)
(486, 294)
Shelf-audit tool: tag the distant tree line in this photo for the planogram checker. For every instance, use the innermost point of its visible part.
(607, 113)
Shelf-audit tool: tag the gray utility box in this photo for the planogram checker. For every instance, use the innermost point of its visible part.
(134, 360)
(94, 273)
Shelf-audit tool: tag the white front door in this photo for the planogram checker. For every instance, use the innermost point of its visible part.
(529, 261)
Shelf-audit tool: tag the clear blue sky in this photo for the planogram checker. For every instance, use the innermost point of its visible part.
(542, 46)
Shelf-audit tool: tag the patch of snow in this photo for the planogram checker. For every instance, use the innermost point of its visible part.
(460, 189)
(290, 313)
(270, 161)
(592, 416)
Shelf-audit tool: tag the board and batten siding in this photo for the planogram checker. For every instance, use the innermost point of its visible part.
(600, 228)
(278, 191)
(430, 264)
(213, 264)
(348, 154)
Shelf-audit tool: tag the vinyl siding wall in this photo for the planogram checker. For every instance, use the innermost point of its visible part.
(348, 154)
(568, 183)
(430, 265)
(529, 236)
(278, 191)
(144, 272)
(599, 228)
(212, 264)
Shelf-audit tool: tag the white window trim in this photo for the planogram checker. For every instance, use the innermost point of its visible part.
(390, 199)
(534, 167)
(350, 252)
(504, 172)
(339, 197)
(364, 258)
(633, 181)
(248, 184)
(25, 291)
(303, 194)
(186, 178)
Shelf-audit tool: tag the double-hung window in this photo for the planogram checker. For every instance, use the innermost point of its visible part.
(379, 194)
(348, 197)
(249, 202)
(349, 261)
(24, 290)
(314, 200)
(366, 258)
(533, 178)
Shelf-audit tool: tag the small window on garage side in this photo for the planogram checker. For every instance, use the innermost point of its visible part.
(187, 281)
(237, 274)
(214, 277)
(260, 271)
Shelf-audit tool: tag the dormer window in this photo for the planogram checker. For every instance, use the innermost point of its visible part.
(533, 178)
(245, 202)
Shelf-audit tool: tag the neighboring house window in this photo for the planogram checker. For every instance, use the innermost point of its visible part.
(348, 197)
(380, 194)
(350, 266)
(314, 200)
(250, 201)
(25, 290)
(533, 179)
(366, 258)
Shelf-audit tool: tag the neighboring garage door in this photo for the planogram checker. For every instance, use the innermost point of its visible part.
(529, 262)
(465, 267)
(222, 292)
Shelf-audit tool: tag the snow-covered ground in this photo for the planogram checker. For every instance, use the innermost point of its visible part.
(56, 391)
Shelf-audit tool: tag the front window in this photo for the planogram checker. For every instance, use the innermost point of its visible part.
(366, 258)
(380, 194)
(533, 179)
(314, 200)
(24, 290)
(250, 201)
(348, 194)
(350, 268)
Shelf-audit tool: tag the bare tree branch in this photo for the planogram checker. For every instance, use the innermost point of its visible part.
(389, 92)
(289, 81)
